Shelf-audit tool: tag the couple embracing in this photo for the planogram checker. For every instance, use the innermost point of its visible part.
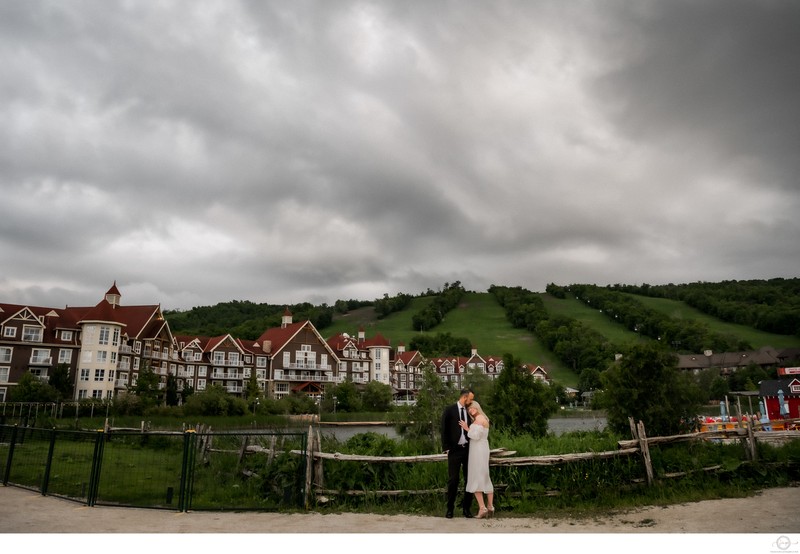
(465, 432)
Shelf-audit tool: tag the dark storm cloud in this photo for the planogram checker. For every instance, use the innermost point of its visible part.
(198, 151)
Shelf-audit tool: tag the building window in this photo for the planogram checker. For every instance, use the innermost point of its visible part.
(4, 372)
(201, 384)
(31, 334)
(137, 347)
(261, 361)
(66, 335)
(219, 358)
(40, 356)
(102, 357)
(111, 374)
(97, 394)
(287, 359)
(9, 332)
(5, 354)
(282, 387)
(99, 374)
(201, 371)
(103, 338)
(64, 356)
(81, 395)
(84, 374)
(198, 356)
(115, 337)
(233, 358)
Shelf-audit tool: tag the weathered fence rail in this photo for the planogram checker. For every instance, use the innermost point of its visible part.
(501, 457)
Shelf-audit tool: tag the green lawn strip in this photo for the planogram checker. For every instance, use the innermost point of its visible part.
(478, 317)
(616, 333)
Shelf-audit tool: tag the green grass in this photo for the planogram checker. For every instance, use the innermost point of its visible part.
(478, 317)
(396, 326)
(680, 310)
(616, 333)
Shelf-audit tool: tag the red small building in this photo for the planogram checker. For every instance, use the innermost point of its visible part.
(771, 391)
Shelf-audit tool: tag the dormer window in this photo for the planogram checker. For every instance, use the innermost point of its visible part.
(31, 334)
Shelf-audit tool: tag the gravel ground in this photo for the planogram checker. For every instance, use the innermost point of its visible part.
(770, 511)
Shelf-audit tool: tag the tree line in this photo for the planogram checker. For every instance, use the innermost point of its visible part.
(243, 319)
(432, 315)
(581, 348)
(771, 305)
(678, 334)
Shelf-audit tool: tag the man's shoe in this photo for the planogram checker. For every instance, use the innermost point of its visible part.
(467, 514)
(449, 514)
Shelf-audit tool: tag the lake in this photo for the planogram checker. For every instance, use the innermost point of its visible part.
(557, 425)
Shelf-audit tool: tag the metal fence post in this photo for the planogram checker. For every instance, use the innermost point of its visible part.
(49, 463)
(10, 457)
(187, 470)
(97, 459)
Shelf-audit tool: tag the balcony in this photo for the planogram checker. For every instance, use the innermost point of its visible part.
(281, 375)
(233, 388)
(121, 383)
(309, 365)
(226, 375)
(125, 349)
(40, 360)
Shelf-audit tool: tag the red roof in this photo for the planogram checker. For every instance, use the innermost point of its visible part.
(279, 336)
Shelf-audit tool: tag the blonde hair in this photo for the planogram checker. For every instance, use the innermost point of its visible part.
(480, 410)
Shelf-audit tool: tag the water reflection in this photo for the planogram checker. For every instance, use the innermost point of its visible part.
(558, 426)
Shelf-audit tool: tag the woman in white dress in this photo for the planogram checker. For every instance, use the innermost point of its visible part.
(478, 480)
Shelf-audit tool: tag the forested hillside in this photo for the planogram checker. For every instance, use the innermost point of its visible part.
(769, 305)
(550, 328)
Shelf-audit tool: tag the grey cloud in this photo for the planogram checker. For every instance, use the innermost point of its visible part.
(201, 152)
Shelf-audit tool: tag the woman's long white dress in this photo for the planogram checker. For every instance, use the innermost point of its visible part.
(478, 465)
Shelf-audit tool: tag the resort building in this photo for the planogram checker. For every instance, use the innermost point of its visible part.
(106, 347)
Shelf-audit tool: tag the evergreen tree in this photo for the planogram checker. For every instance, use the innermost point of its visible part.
(171, 392)
(646, 385)
(146, 386)
(424, 419)
(521, 404)
(253, 391)
(61, 382)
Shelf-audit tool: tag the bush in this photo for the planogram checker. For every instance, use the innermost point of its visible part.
(215, 401)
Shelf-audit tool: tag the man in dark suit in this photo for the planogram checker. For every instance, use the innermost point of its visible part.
(455, 443)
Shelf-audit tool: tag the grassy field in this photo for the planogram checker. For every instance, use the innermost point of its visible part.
(680, 310)
(594, 319)
(478, 317)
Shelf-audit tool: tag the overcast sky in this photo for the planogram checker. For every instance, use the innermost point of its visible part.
(289, 151)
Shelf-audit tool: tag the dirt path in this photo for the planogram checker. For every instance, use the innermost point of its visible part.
(774, 511)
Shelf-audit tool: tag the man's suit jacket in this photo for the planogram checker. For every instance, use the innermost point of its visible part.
(451, 430)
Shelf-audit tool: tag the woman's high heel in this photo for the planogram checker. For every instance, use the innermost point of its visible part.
(483, 513)
(491, 511)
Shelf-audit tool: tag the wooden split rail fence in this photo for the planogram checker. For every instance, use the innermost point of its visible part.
(640, 444)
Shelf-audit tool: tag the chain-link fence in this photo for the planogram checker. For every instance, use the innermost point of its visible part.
(253, 470)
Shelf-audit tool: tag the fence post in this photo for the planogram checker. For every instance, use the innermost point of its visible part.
(309, 467)
(10, 457)
(643, 446)
(187, 470)
(97, 459)
(49, 463)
